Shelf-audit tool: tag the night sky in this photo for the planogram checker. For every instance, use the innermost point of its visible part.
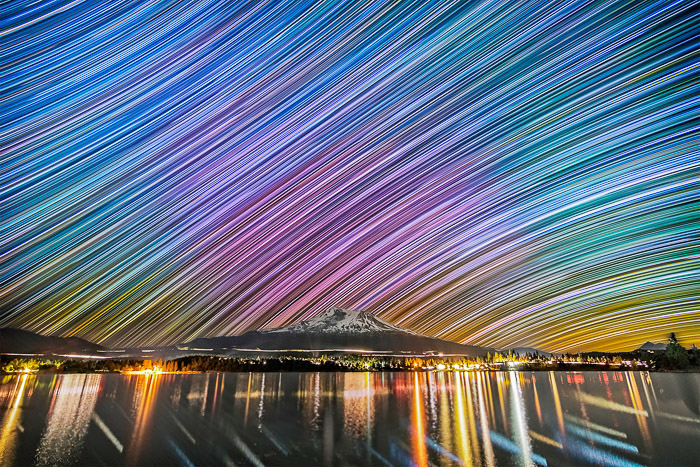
(494, 173)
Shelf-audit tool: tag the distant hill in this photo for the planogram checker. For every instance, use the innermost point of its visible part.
(339, 329)
(652, 346)
(26, 342)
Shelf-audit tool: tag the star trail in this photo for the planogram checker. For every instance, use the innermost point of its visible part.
(494, 173)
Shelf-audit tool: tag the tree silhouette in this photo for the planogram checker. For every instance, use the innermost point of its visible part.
(675, 357)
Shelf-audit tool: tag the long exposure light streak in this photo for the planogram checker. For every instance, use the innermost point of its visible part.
(491, 172)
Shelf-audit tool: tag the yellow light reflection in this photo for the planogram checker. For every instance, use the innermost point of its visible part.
(557, 404)
(489, 394)
(247, 399)
(463, 448)
(144, 399)
(544, 439)
(419, 450)
(476, 455)
(10, 422)
(445, 413)
(537, 401)
(637, 404)
(358, 410)
(499, 385)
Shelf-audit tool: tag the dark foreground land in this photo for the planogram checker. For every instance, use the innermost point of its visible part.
(672, 359)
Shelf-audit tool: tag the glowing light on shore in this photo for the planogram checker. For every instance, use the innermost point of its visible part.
(156, 370)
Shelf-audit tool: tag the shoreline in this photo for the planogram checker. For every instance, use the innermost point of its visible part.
(390, 370)
(54, 364)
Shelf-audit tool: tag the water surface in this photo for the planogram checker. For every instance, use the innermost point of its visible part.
(521, 418)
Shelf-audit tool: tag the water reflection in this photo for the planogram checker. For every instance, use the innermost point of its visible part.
(72, 403)
(144, 400)
(358, 408)
(11, 395)
(419, 419)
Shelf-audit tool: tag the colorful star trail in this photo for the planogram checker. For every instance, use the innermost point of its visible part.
(494, 173)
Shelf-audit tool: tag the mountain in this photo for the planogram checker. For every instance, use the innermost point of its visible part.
(339, 329)
(335, 330)
(19, 341)
(652, 346)
(342, 321)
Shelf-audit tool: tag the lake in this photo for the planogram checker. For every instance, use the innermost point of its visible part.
(438, 418)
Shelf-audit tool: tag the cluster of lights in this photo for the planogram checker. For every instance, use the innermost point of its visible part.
(455, 367)
(515, 364)
(156, 370)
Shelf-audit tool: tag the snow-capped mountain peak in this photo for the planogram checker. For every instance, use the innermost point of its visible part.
(343, 321)
(338, 330)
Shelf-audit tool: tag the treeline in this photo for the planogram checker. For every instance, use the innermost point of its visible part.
(674, 358)
(200, 364)
(209, 363)
(14, 365)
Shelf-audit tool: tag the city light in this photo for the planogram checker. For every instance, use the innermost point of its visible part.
(156, 370)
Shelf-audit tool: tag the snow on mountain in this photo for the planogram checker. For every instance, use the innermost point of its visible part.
(334, 330)
(338, 329)
(342, 321)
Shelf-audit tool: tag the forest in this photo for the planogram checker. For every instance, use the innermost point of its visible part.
(674, 358)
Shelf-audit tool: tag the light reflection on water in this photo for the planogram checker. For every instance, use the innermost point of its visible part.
(606, 418)
(68, 418)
